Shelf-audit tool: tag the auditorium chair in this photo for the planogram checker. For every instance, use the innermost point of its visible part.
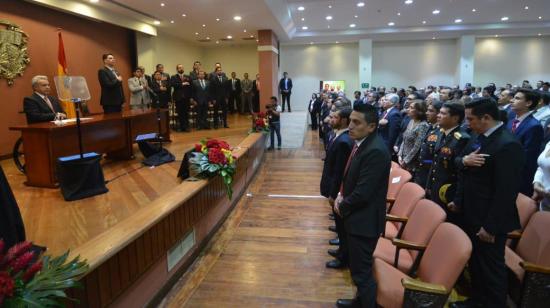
(530, 264)
(442, 263)
(398, 178)
(526, 208)
(404, 204)
(395, 165)
(192, 117)
(418, 230)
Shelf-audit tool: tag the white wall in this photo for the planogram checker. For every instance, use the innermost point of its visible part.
(239, 59)
(309, 64)
(511, 60)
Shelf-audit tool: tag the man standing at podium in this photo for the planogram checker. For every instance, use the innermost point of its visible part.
(112, 96)
(41, 107)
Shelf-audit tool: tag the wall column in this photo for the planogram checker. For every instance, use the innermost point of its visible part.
(466, 47)
(365, 63)
(268, 54)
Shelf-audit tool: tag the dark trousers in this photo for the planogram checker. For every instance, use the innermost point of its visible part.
(314, 121)
(256, 102)
(286, 97)
(360, 265)
(275, 128)
(343, 253)
(488, 271)
(202, 114)
(112, 108)
(182, 108)
(221, 105)
(234, 101)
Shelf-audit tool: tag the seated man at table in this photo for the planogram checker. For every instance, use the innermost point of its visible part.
(41, 107)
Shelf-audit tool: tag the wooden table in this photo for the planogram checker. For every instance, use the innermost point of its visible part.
(112, 134)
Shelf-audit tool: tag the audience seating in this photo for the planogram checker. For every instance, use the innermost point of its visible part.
(404, 204)
(439, 268)
(418, 229)
(398, 178)
(526, 208)
(530, 263)
(394, 165)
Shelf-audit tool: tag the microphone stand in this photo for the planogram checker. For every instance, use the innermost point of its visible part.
(76, 102)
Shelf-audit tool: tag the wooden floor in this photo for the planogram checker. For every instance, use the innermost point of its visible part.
(271, 251)
(61, 225)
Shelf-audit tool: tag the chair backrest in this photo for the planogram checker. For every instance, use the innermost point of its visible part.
(526, 208)
(407, 198)
(445, 257)
(398, 178)
(395, 165)
(534, 245)
(422, 223)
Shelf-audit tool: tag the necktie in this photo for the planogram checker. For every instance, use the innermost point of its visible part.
(515, 125)
(202, 83)
(384, 114)
(47, 100)
(233, 80)
(220, 78)
(355, 147)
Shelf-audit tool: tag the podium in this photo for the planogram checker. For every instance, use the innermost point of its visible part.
(80, 176)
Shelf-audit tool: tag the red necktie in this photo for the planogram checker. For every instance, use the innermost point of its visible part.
(515, 125)
(355, 147)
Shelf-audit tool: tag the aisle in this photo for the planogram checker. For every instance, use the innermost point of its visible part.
(271, 251)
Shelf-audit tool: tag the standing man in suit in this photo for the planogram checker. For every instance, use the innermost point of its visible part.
(145, 76)
(390, 121)
(505, 103)
(247, 95)
(112, 95)
(214, 73)
(314, 109)
(234, 93)
(338, 151)
(181, 96)
(202, 98)
(486, 196)
(40, 106)
(357, 96)
(529, 132)
(256, 93)
(361, 201)
(195, 72)
(139, 91)
(285, 87)
(219, 94)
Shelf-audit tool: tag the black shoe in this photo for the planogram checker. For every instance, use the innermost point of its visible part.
(334, 241)
(279, 148)
(331, 215)
(225, 126)
(332, 228)
(341, 303)
(469, 303)
(270, 149)
(333, 252)
(331, 218)
(336, 264)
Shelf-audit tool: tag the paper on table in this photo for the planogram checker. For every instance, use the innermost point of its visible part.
(396, 179)
(72, 120)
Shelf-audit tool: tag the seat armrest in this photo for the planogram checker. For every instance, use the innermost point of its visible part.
(514, 235)
(407, 245)
(417, 285)
(390, 217)
(531, 267)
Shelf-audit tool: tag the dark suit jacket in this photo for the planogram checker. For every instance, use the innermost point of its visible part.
(255, 88)
(238, 88)
(181, 92)
(162, 97)
(282, 85)
(37, 110)
(200, 95)
(487, 194)
(219, 89)
(390, 131)
(111, 89)
(365, 188)
(335, 163)
(530, 134)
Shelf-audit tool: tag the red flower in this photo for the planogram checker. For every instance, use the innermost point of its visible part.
(31, 271)
(17, 250)
(21, 262)
(260, 122)
(7, 285)
(217, 144)
(261, 114)
(216, 156)
(198, 147)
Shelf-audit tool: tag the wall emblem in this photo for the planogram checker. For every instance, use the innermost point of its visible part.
(13, 51)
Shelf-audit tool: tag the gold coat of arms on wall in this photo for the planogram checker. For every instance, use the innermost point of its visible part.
(13, 51)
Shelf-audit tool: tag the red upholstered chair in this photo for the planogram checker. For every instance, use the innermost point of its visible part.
(526, 208)
(418, 230)
(530, 263)
(404, 204)
(395, 165)
(398, 178)
(444, 259)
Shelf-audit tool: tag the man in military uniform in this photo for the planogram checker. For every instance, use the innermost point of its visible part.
(426, 153)
(452, 141)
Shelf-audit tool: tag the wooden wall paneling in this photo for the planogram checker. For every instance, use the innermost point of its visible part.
(140, 255)
(114, 276)
(166, 223)
(124, 268)
(132, 261)
(104, 282)
(148, 246)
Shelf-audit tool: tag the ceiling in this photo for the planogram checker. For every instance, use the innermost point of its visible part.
(212, 21)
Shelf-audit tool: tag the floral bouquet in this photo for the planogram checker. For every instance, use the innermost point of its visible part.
(211, 158)
(29, 280)
(260, 123)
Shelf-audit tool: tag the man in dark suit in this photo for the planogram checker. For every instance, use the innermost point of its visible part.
(112, 95)
(314, 109)
(234, 85)
(529, 132)
(40, 106)
(358, 99)
(202, 98)
(182, 93)
(362, 201)
(390, 121)
(219, 94)
(195, 72)
(285, 87)
(486, 196)
(165, 77)
(338, 151)
(256, 86)
(214, 73)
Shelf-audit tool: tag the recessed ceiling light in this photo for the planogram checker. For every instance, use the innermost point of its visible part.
(505, 18)
(162, 4)
(356, 16)
(330, 6)
(244, 30)
(474, 10)
(304, 28)
(310, 43)
(237, 18)
(183, 15)
(423, 22)
(156, 22)
(94, 1)
(352, 25)
(458, 20)
(409, 2)
(257, 41)
(360, 4)
(229, 37)
(196, 33)
(540, 17)
(203, 25)
(526, 7)
(301, 8)
(171, 21)
(337, 42)
(398, 14)
(433, 38)
(207, 37)
(217, 42)
(328, 17)
(328, 26)
(252, 36)
(435, 12)
(217, 19)
(391, 24)
(496, 35)
(303, 19)
(539, 34)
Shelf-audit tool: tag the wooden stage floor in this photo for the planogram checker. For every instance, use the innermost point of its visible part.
(271, 250)
(50, 221)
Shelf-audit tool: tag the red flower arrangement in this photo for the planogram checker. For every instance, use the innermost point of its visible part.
(260, 123)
